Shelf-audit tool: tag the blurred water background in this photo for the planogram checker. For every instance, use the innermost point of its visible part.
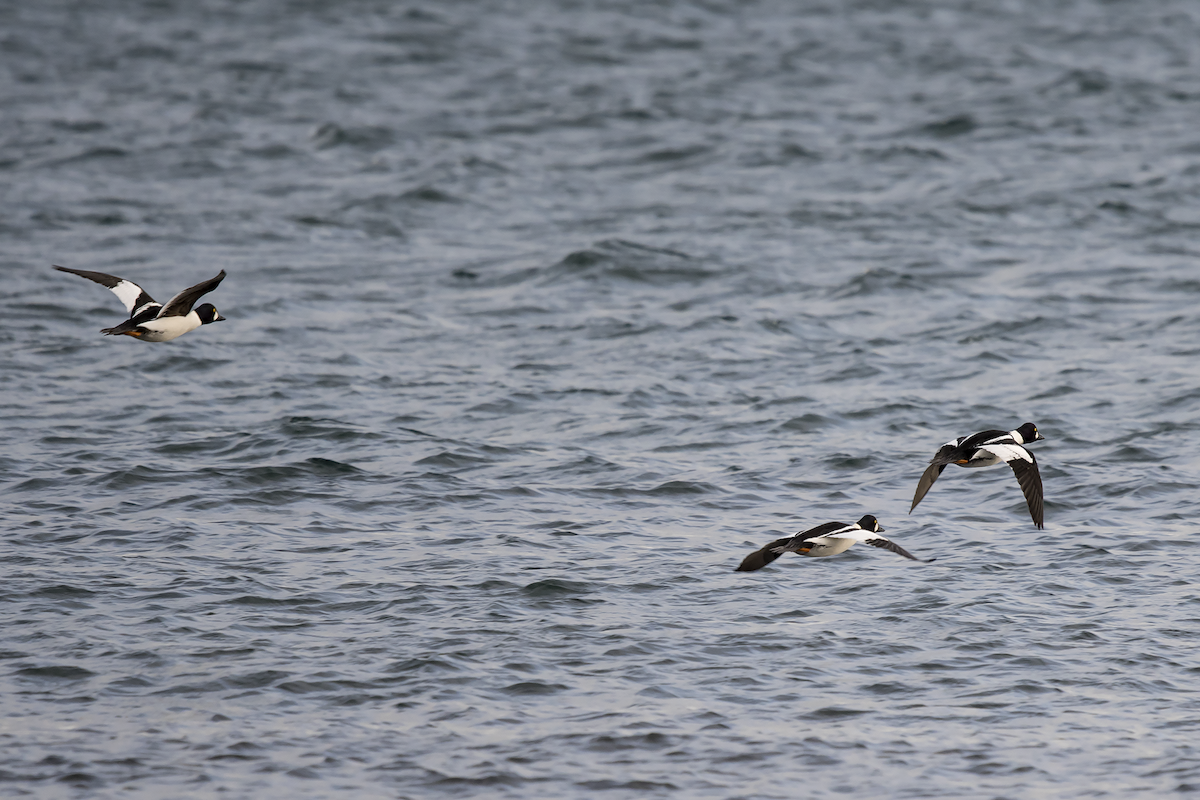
(541, 315)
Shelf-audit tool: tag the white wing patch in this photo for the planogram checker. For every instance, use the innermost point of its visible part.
(128, 293)
(858, 535)
(1008, 452)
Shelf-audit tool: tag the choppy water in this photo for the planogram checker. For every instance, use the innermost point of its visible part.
(543, 315)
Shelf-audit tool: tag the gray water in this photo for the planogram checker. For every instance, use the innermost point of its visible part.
(541, 316)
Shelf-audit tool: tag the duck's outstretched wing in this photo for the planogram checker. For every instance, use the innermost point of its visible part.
(944, 456)
(926, 483)
(875, 540)
(1025, 467)
(181, 304)
(134, 297)
(760, 558)
(1031, 484)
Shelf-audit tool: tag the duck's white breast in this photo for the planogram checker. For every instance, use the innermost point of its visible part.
(164, 329)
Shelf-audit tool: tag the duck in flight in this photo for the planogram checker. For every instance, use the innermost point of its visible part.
(828, 539)
(987, 449)
(151, 321)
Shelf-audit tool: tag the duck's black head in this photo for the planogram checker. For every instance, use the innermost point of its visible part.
(869, 523)
(1029, 433)
(207, 313)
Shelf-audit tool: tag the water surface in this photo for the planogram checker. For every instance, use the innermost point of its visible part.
(540, 317)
